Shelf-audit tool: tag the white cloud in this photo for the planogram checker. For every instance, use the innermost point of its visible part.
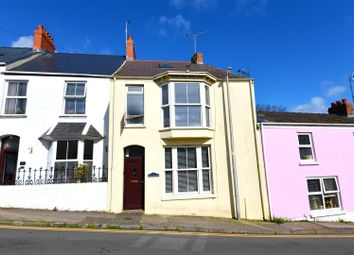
(197, 4)
(178, 4)
(177, 22)
(169, 27)
(317, 104)
(247, 8)
(23, 41)
(336, 91)
(331, 89)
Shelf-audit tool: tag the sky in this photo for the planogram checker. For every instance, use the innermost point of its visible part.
(300, 52)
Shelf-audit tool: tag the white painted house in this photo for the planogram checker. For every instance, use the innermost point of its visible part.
(54, 110)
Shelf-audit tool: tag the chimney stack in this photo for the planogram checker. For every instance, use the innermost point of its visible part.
(42, 41)
(342, 108)
(130, 49)
(197, 58)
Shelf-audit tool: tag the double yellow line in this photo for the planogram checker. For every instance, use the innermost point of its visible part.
(157, 232)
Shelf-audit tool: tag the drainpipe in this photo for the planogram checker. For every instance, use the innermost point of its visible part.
(111, 142)
(234, 169)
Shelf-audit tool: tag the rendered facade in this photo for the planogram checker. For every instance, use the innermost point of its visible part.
(309, 165)
(170, 141)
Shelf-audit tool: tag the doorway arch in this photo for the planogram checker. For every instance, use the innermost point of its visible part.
(8, 159)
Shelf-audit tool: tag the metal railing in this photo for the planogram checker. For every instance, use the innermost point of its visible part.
(34, 176)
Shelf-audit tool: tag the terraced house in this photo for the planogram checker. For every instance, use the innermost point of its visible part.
(309, 163)
(182, 140)
(54, 117)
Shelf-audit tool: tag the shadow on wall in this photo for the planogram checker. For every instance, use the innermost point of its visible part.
(231, 191)
(106, 136)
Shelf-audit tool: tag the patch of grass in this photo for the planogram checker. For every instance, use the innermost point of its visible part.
(279, 220)
(92, 226)
(179, 228)
(343, 221)
(114, 227)
(60, 225)
(45, 224)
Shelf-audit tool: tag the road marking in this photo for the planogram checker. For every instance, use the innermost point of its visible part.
(169, 243)
(141, 241)
(156, 232)
(199, 245)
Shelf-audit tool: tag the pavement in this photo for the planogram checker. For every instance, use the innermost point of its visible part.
(137, 220)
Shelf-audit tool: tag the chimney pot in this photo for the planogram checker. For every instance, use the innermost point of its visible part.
(42, 41)
(130, 49)
(197, 58)
(342, 108)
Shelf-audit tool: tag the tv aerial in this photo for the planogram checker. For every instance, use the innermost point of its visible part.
(195, 35)
(351, 80)
(128, 22)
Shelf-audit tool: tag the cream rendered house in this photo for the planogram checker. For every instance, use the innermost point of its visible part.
(170, 145)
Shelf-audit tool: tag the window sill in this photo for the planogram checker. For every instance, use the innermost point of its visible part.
(188, 197)
(187, 132)
(15, 116)
(73, 116)
(308, 163)
(326, 212)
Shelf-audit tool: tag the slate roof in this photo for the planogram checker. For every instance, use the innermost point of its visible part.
(68, 63)
(72, 130)
(9, 55)
(150, 68)
(297, 117)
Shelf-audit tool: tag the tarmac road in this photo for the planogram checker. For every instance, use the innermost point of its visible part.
(35, 241)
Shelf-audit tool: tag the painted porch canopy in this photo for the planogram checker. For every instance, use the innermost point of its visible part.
(67, 130)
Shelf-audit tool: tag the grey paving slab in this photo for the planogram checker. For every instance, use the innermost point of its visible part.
(139, 220)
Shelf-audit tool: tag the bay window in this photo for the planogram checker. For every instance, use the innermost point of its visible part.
(69, 153)
(185, 105)
(187, 170)
(66, 160)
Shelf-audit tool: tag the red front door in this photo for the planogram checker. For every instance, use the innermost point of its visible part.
(133, 183)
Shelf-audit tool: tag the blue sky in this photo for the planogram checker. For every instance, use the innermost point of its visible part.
(300, 52)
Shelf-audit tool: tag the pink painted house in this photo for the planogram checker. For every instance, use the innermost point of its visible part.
(309, 164)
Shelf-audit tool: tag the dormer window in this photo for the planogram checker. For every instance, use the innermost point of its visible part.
(185, 105)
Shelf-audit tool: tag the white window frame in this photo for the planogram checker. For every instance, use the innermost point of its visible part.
(80, 154)
(307, 146)
(199, 169)
(168, 105)
(172, 105)
(66, 160)
(142, 92)
(14, 97)
(323, 193)
(74, 97)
